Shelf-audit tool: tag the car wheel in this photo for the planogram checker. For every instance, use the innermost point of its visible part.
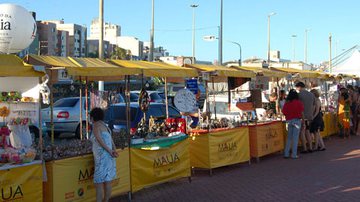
(77, 133)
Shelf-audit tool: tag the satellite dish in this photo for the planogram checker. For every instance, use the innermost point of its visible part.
(17, 28)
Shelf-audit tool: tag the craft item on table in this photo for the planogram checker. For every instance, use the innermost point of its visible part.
(27, 99)
(20, 134)
(45, 90)
(5, 137)
(14, 96)
(4, 96)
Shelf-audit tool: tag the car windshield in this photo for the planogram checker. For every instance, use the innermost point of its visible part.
(70, 102)
(134, 97)
(119, 113)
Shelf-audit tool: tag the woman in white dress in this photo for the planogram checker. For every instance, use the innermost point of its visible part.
(105, 153)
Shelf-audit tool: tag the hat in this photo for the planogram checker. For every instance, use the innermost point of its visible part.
(300, 84)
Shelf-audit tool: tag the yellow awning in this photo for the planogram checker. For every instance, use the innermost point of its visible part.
(157, 69)
(263, 72)
(302, 73)
(13, 66)
(93, 68)
(223, 71)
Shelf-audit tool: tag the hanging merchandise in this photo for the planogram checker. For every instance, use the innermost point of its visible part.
(144, 100)
(185, 101)
(20, 136)
(45, 90)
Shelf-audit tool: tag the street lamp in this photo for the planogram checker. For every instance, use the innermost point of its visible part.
(239, 49)
(268, 53)
(151, 53)
(306, 45)
(293, 42)
(193, 6)
(101, 38)
(221, 33)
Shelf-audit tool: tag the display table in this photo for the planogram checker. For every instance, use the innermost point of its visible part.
(21, 182)
(266, 138)
(219, 147)
(331, 124)
(159, 161)
(71, 179)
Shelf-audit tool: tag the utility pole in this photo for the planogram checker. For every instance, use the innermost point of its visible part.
(101, 38)
(306, 45)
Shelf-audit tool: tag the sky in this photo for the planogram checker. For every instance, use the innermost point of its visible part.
(244, 21)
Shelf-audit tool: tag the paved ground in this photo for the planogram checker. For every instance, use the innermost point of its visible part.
(331, 175)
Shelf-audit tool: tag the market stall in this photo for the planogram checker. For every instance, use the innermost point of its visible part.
(159, 151)
(74, 161)
(20, 164)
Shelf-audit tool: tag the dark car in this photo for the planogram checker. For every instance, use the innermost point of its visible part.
(115, 116)
(133, 97)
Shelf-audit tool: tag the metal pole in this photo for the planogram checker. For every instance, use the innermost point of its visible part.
(166, 100)
(87, 107)
(268, 52)
(221, 33)
(81, 110)
(101, 38)
(151, 54)
(193, 6)
(306, 45)
(330, 60)
(238, 44)
(293, 43)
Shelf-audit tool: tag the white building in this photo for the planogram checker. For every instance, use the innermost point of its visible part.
(133, 44)
(77, 37)
(158, 51)
(111, 31)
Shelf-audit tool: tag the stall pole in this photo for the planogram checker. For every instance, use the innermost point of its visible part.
(40, 123)
(166, 99)
(81, 106)
(229, 95)
(213, 86)
(207, 104)
(127, 101)
(52, 108)
(87, 107)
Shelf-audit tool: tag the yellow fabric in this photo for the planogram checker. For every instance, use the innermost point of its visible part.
(263, 71)
(223, 71)
(149, 167)
(53, 61)
(302, 73)
(217, 149)
(11, 65)
(22, 183)
(157, 69)
(72, 179)
(266, 139)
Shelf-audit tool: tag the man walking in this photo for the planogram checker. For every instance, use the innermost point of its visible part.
(308, 100)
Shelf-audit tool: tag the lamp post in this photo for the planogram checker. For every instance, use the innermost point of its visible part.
(293, 44)
(151, 53)
(101, 38)
(306, 45)
(268, 53)
(238, 44)
(221, 33)
(193, 6)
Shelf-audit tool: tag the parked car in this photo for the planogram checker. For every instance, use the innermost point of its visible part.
(115, 115)
(153, 96)
(134, 97)
(66, 116)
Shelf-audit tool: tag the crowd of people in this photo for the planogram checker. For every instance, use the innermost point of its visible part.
(304, 116)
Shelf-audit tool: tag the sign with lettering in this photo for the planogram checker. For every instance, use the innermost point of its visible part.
(72, 179)
(21, 184)
(192, 85)
(17, 28)
(266, 139)
(149, 167)
(219, 148)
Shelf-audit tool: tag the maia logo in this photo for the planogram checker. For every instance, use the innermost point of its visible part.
(11, 193)
(86, 174)
(166, 160)
(227, 146)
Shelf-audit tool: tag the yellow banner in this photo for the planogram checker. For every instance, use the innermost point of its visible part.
(149, 167)
(21, 184)
(221, 148)
(72, 179)
(266, 139)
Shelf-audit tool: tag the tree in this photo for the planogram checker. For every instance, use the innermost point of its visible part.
(119, 54)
